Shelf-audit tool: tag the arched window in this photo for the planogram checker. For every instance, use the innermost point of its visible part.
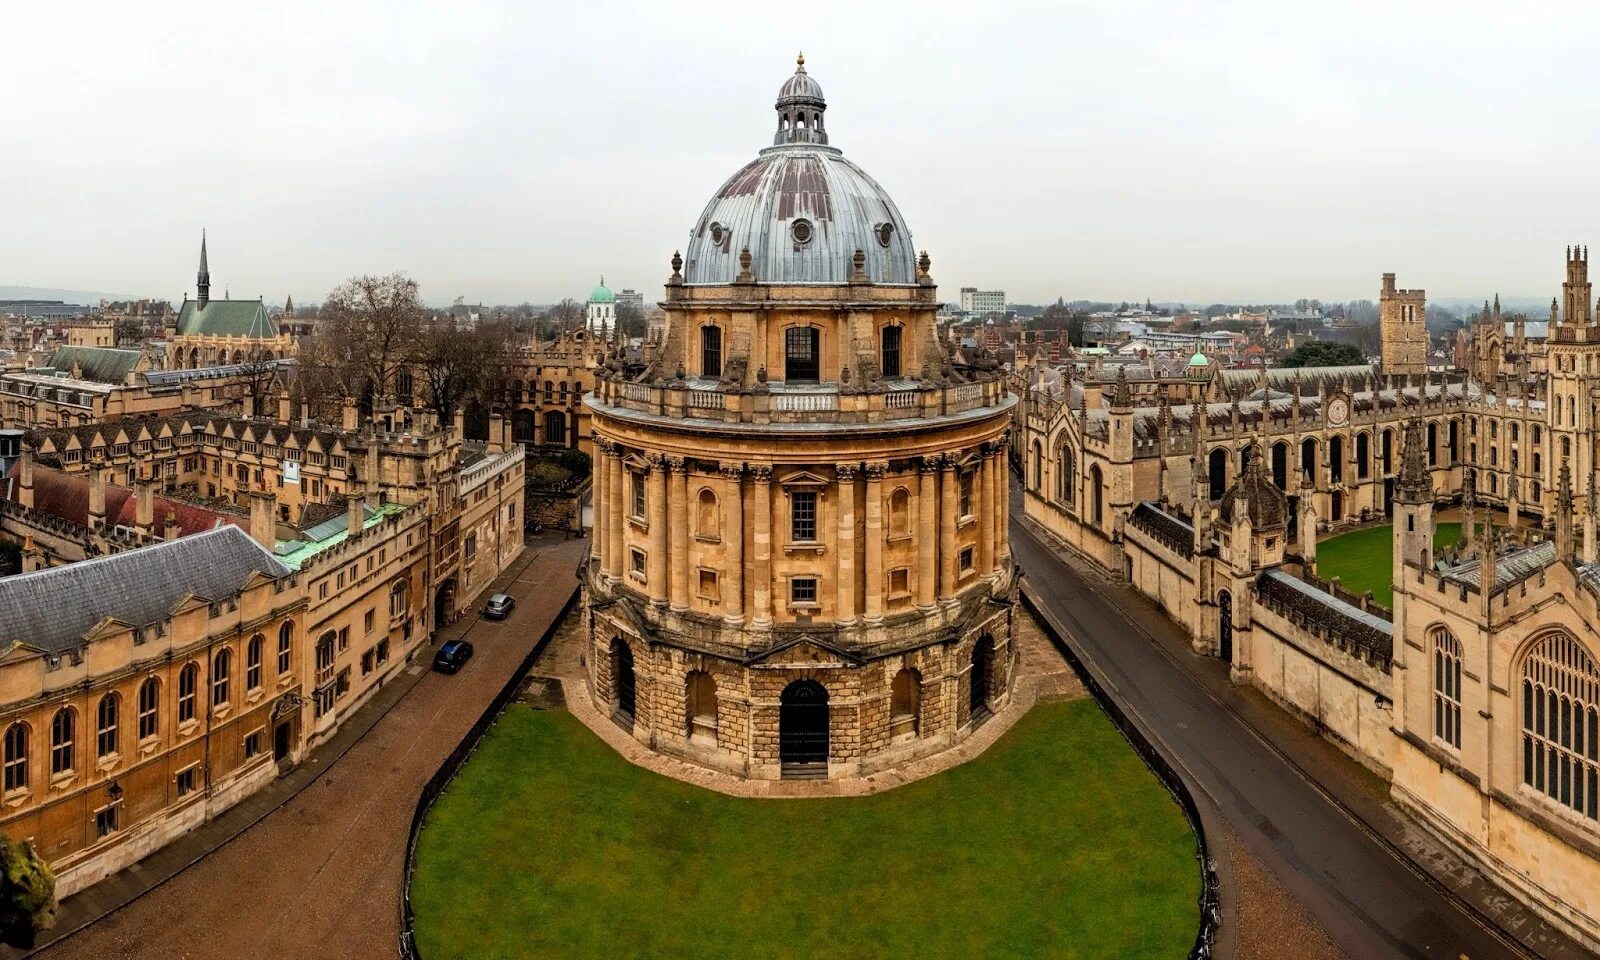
(1038, 466)
(62, 728)
(1363, 456)
(905, 702)
(188, 687)
(252, 662)
(221, 666)
(1388, 451)
(1561, 724)
(1308, 458)
(555, 428)
(1566, 448)
(1336, 459)
(900, 512)
(285, 647)
(16, 757)
(1066, 475)
(1433, 443)
(1096, 493)
(700, 701)
(707, 520)
(889, 355)
(105, 726)
(399, 596)
(149, 708)
(710, 351)
(802, 354)
(1217, 474)
(1453, 441)
(1447, 689)
(549, 390)
(1280, 465)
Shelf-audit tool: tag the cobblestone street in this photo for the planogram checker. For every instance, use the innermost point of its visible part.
(320, 877)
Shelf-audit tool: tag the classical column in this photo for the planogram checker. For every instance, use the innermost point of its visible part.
(846, 547)
(948, 508)
(733, 543)
(874, 534)
(761, 474)
(656, 564)
(678, 552)
(619, 493)
(986, 510)
(1002, 499)
(602, 501)
(927, 518)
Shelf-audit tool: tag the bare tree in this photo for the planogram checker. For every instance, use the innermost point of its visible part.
(258, 375)
(128, 331)
(458, 364)
(564, 316)
(370, 327)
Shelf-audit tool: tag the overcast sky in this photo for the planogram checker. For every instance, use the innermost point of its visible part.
(515, 151)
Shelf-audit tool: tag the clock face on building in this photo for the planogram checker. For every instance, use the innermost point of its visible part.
(1338, 411)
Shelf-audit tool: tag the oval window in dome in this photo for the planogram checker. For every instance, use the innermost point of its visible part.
(885, 233)
(717, 234)
(801, 231)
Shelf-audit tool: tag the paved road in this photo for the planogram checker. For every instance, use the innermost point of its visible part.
(320, 877)
(1370, 902)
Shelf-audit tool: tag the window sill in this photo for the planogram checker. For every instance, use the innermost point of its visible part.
(221, 713)
(805, 605)
(18, 797)
(63, 781)
(805, 547)
(187, 727)
(706, 538)
(109, 761)
(901, 595)
(966, 521)
(636, 577)
(640, 523)
(149, 745)
(285, 680)
(899, 538)
(254, 696)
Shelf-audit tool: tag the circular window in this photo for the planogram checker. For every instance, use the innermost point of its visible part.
(885, 233)
(717, 234)
(801, 231)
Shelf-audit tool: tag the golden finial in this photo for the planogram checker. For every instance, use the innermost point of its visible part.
(800, 61)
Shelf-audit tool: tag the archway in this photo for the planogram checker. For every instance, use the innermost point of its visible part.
(623, 698)
(444, 603)
(980, 677)
(1336, 512)
(803, 723)
(1225, 626)
(1217, 474)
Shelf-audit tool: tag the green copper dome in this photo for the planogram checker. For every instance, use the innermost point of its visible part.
(602, 293)
(1199, 360)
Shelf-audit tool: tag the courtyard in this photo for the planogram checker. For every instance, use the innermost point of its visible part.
(1364, 559)
(1057, 841)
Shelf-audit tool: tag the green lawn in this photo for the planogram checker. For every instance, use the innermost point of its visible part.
(1364, 559)
(1056, 842)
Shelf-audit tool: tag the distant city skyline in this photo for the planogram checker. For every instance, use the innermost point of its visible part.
(1118, 158)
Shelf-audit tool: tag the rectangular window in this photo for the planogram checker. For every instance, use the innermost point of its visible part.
(341, 686)
(105, 821)
(383, 651)
(186, 782)
(637, 480)
(966, 559)
(803, 516)
(252, 745)
(367, 620)
(344, 639)
(803, 591)
(636, 563)
(966, 492)
(900, 582)
(366, 662)
(710, 352)
(890, 360)
(470, 546)
(708, 584)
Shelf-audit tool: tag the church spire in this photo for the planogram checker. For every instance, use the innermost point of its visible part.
(203, 278)
(1415, 485)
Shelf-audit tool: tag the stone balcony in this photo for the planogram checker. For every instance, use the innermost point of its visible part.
(703, 399)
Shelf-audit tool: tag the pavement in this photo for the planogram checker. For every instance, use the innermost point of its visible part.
(311, 866)
(1318, 821)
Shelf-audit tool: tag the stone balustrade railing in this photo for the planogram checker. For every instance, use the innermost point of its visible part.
(825, 403)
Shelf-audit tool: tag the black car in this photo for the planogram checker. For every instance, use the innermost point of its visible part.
(499, 606)
(452, 656)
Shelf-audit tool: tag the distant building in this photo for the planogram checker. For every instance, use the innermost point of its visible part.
(631, 298)
(982, 303)
(216, 332)
(600, 314)
(42, 308)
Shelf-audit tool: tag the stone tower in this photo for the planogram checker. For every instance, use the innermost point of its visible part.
(1403, 318)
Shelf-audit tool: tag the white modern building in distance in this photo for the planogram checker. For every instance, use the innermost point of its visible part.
(982, 303)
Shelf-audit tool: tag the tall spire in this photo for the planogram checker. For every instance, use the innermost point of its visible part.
(1415, 486)
(1564, 512)
(203, 278)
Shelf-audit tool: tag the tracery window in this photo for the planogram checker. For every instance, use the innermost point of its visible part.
(1561, 724)
(1447, 688)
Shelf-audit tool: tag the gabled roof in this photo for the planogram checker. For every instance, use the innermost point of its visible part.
(100, 364)
(226, 318)
(52, 610)
(66, 496)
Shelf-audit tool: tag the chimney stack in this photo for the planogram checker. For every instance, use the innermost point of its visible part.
(25, 491)
(355, 515)
(170, 529)
(352, 415)
(497, 429)
(97, 495)
(263, 519)
(144, 510)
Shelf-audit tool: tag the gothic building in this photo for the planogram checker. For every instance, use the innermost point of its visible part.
(800, 560)
(210, 333)
(1477, 694)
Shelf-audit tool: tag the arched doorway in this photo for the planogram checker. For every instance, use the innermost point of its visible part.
(623, 702)
(1225, 626)
(1336, 512)
(444, 603)
(803, 724)
(980, 677)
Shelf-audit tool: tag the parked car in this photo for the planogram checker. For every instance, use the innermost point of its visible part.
(452, 656)
(499, 606)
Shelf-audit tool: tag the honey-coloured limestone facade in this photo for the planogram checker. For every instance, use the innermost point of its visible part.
(800, 561)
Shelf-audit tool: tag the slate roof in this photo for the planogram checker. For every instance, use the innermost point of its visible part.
(226, 318)
(1177, 535)
(53, 609)
(1509, 567)
(1344, 622)
(100, 364)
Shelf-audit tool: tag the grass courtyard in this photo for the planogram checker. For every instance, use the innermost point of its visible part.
(1055, 842)
(1363, 559)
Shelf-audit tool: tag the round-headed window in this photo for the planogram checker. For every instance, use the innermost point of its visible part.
(885, 233)
(717, 234)
(801, 231)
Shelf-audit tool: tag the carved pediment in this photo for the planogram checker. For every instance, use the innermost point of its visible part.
(804, 651)
(804, 478)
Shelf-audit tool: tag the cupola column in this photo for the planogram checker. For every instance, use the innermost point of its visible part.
(733, 543)
(762, 542)
(986, 511)
(874, 561)
(846, 596)
(927, 511)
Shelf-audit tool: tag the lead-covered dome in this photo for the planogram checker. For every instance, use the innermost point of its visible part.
(801, 209)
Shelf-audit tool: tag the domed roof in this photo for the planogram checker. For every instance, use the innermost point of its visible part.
(1264, 502)
(602, 293)
(801, 209)
(1199, 360)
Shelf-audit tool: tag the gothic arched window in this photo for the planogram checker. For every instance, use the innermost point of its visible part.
(1561, 724)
